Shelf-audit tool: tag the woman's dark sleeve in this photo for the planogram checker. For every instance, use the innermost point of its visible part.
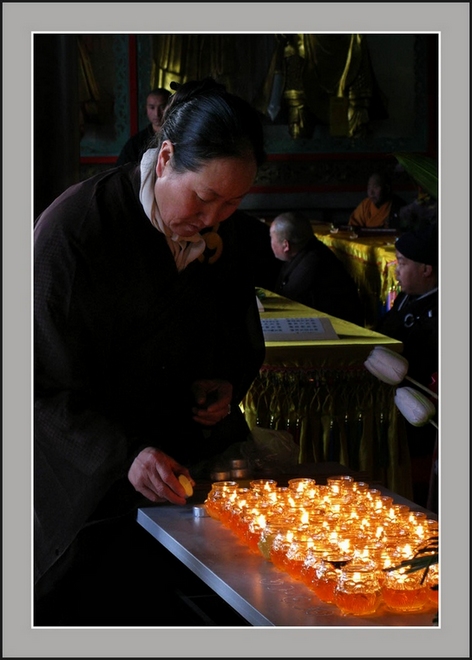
(79, 452)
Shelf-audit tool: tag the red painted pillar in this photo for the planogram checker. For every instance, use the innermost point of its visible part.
(133, 85)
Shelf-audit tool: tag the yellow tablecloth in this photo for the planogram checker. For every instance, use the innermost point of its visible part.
(371, 263)
(334, 408)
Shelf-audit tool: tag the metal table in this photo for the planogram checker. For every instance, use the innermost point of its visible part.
(261, 594)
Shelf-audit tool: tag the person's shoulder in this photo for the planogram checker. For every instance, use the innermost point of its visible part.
(70, 209)
(82, 188)
(144, 134)
(397, 303)
(319, 249)
(135, 145)
(314, 257)
(430, 302)
(357, 217)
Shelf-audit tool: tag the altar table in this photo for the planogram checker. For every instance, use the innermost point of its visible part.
(321, 392)
(370, 261)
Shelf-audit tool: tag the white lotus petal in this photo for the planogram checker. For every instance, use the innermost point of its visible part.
(414, 406)
(386, 365)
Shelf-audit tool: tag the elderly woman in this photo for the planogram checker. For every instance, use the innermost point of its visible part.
(147, 334)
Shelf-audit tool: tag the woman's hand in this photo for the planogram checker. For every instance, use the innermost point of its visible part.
(213, 399)
(156, 476)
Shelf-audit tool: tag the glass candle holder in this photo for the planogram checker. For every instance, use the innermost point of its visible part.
(251, 522)
(399, 543)
(263, 486)
(280, 544)
(232, 506)
(359, 491)
(254, 529)
(313, 557)
(405, 592)
(327, 574)
(386, 501)
(432, 581)
(372, 497)
(358, 589)
(341, 487)
(397, 514)
(217, 495)
(296, 553)
(303, 485)
(432, 527)
(324, 493)
(279, 494)
(371, 550)
(276, 523)
(240, 519)
(416, 517)
(340, 482)
(361, 486)
(302, 513)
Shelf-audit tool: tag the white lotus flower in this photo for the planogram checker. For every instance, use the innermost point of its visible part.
(386, 365)
(414, 406)
(392, 368)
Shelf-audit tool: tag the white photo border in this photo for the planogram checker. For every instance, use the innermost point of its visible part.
(451, 22)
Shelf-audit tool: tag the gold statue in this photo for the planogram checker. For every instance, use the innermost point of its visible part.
(326, 78)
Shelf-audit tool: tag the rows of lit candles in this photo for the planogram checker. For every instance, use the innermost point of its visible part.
(339, 539)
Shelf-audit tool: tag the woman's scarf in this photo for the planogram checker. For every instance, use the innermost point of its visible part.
(184, 250)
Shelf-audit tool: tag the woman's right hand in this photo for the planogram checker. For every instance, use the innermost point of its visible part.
(155, 475)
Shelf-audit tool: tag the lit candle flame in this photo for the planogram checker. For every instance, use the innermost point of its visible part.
(344, 545)
(419, 531)
(261, 521)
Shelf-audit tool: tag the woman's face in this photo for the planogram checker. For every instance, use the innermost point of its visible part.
(190, 201)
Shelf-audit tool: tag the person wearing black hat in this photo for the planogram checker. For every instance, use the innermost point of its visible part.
(413, 320)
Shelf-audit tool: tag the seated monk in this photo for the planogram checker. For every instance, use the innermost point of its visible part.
(381, 206)
(311, 274)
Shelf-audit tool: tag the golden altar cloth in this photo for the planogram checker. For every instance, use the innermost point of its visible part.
(323, 395)
(371, 263)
